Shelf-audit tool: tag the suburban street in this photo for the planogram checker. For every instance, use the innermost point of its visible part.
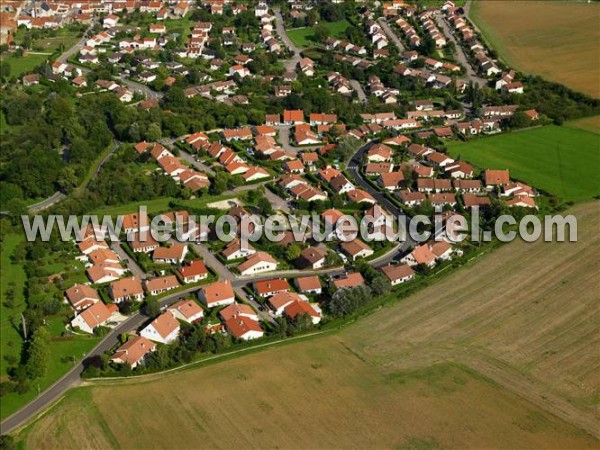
(132, 266)
(72, 378)
(459, 54)
(362, 96)
(390, 34)
(290, 64)
(63, 58)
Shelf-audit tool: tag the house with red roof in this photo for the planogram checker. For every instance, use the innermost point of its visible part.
(186, 310)
(164, 329)
(95, 316)
(133, 352)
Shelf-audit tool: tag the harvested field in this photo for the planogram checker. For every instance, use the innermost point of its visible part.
(528, 316)
(501, 353)
(558, 40)
(322, 397)
(589, 124)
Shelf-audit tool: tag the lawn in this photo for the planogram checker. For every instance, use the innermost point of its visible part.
(476, 360)
(63, 38)
(162, 204)
(12, 277)
(304, 37)
(558, 40)
(23, 64)
(561, 160)
(61, 349)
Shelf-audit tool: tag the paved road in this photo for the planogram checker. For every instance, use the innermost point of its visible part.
(284, 139)
(140, 88)
(390, 34)
(362, 96)
(78, 46)
(196, 164)
(132, 266)
(460, 55)
(72, 378)
(47, 203)
(290, 64)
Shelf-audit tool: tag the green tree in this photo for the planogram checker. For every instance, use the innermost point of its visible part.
(152, 308)
(38, 354)
(322, 33)
(293, 252)
(153, 133)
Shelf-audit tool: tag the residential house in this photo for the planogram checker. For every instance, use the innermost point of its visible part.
(193, 272)
(133, 352)
(186, 310)
(164, 329)
(397, 274)
(267, 288)
(95, 316)
(81, 296)
(309, 285)
(126, 289)
(216, 294)
(157, 286)
(258, 263)
(312, 257)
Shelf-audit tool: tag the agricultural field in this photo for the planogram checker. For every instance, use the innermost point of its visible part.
(558, 40)
(589, 124)
(475, 360)
(304, 37)
(559, 160)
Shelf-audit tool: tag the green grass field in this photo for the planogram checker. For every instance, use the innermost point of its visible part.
(62, 39)
(561, 160)
(13, 278)
(21, 65)
(304, 37)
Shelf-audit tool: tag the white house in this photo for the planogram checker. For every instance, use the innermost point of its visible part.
(258, 263)
(164, 329)
(94, 316)
(217, 294)
(187, 310)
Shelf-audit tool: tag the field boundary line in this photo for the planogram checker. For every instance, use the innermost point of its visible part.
(210, 358)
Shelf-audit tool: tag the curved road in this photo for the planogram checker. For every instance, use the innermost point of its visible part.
(72, 378)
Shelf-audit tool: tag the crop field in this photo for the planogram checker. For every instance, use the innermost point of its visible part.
(323, 397)
(303, 37)
(475, 360)
(558, 40)
(561, 160)
(589, 124)
(527, 316)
